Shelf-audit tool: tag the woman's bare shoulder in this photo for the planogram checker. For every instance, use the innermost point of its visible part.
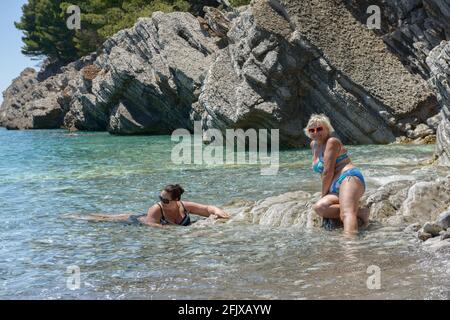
(334, 143)
(154, 210)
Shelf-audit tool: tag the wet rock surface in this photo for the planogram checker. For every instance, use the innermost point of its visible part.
(418, 208)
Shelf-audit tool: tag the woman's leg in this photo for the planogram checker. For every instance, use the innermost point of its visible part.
(350, 191)
(100, 217)
(328, 207)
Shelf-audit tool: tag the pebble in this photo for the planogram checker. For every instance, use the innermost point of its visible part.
(432, 228)
(424, 235)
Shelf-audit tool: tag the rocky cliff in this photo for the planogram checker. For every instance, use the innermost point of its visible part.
(267, 65)
(439, 63)
(411, 29)
(294, 58)
(33, 104)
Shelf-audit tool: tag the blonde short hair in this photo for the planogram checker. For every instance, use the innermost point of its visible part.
(319, 118)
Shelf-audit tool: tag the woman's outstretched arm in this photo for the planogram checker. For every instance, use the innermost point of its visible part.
(205, 210)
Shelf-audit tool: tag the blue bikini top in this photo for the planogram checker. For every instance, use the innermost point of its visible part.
(318, 166)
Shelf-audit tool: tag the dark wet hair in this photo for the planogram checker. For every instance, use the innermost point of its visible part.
(175, 191)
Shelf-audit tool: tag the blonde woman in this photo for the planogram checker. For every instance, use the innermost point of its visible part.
(342, 183)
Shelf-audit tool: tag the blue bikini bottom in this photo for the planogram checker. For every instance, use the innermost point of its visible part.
(354, 172)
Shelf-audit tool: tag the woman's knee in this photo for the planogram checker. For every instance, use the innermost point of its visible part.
(320, 206)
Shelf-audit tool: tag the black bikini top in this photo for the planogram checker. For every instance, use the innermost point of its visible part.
(185, 222)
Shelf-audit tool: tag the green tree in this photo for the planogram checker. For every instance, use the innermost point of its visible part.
(46, 34)
(45, 31)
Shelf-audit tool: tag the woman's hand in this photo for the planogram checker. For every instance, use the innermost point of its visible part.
(219, 214)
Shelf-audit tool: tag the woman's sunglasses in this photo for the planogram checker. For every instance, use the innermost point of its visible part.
(314, 130)
(164, 200)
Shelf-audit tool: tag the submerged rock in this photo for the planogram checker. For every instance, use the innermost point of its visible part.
(424, 236)
(436, 244)
(432, 228)
(414, 227)
(445, 235)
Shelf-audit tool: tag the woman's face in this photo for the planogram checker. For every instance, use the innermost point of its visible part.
(166, 198)
(318, 131)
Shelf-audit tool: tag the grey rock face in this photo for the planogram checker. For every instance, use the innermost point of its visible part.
(30, 104)
(387, 200)
(434, 121)
(254, 81)
(219, 22)
(426, 200)
(146, 81)
(151, 76)
(410, 28)
(443, 138)
(439, 11)
(49, 68)
(285, 69)
(439, 63)
(14, 97)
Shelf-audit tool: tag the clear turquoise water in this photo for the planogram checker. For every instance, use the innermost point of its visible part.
(47, 174)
